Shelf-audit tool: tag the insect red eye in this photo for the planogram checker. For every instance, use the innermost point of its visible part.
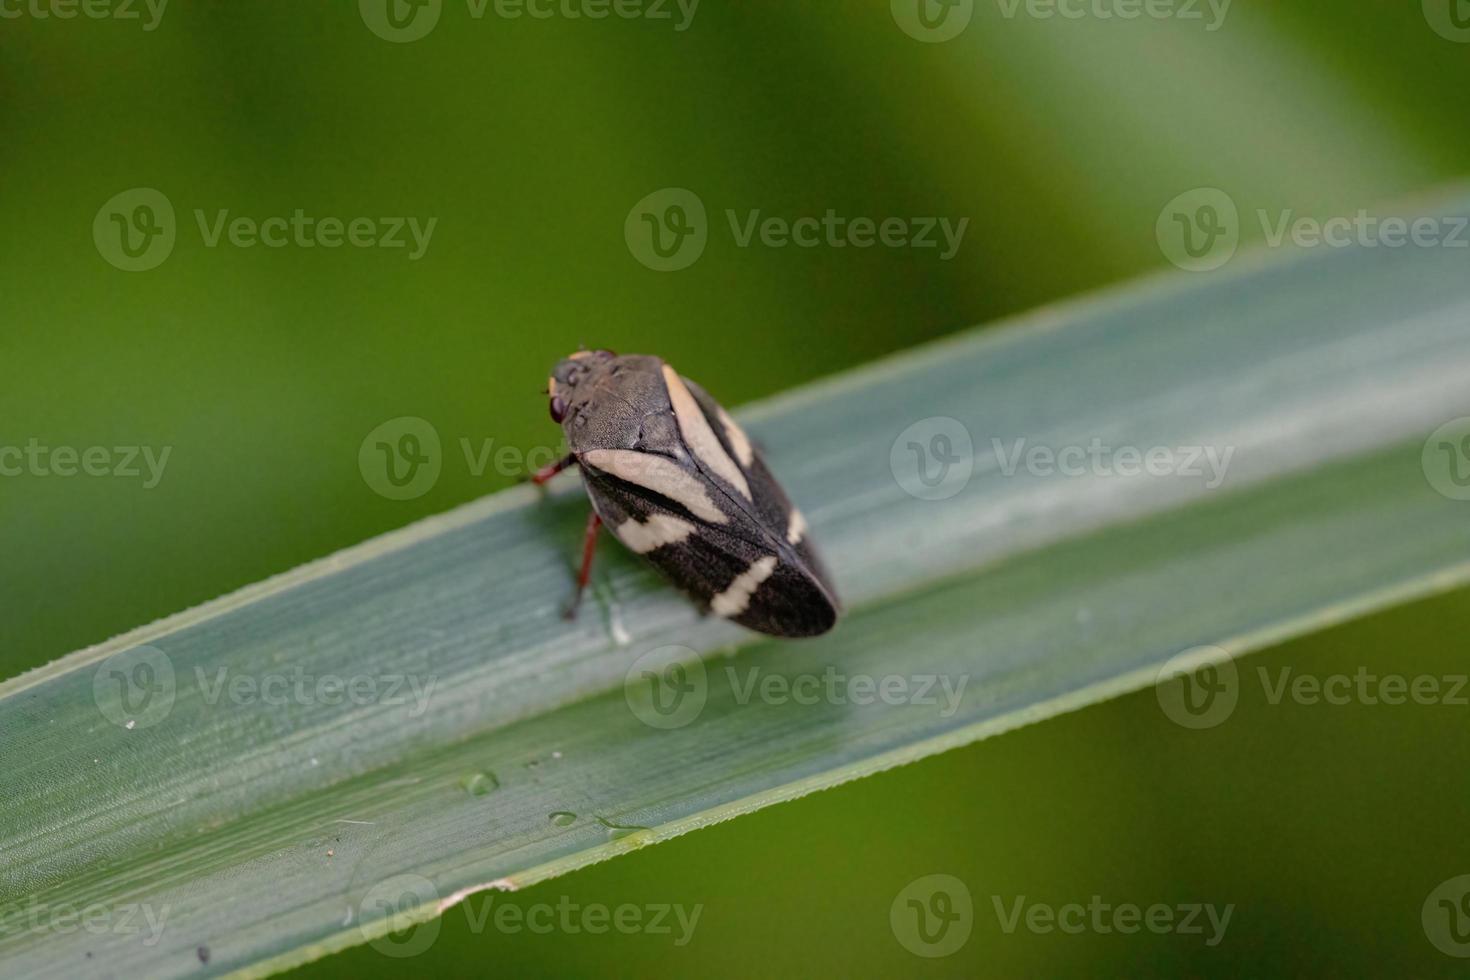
(558, 408)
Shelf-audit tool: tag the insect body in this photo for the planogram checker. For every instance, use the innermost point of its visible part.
(677, 481)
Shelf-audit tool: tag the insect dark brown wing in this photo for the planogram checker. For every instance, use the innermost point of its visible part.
(758, 585)
(775, 509)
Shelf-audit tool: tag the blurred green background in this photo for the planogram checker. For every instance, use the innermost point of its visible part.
(529, 140)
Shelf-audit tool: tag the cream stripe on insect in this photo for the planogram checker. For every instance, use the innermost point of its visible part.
(698, 434)
(739, 441)
(736, 599)
(657, 531)
(796, 530)
(660, 475)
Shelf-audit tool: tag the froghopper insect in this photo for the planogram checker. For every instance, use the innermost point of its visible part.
(678, 481)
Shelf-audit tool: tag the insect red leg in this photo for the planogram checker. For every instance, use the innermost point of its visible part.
(589, 545)
(547, 472)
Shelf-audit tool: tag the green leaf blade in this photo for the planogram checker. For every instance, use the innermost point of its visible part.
(1043, 592)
